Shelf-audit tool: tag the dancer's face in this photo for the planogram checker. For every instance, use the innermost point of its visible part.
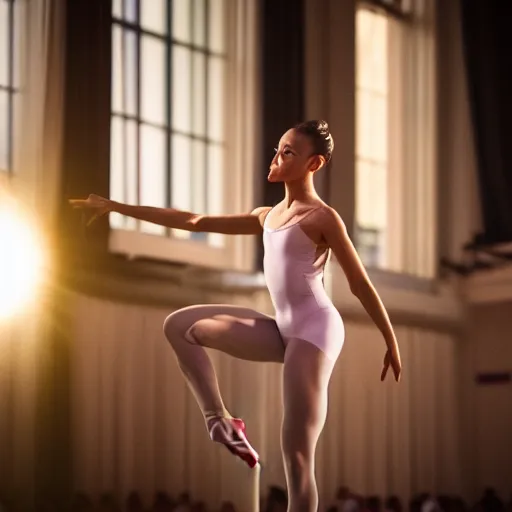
(294, 158)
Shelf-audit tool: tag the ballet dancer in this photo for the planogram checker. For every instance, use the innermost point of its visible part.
(307, 333)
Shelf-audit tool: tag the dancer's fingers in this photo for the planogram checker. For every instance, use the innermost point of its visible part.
(397, 370)
(384, 371)
(385, 366)
(78, 203)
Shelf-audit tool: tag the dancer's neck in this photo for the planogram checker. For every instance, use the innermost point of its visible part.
(302, 190)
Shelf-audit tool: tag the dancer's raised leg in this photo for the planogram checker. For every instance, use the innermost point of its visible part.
(240, 332)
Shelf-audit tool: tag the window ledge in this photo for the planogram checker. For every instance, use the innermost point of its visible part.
(489, 286)
(144, 282)
(408, 299)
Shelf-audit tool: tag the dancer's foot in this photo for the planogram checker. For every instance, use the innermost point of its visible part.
(231, 433)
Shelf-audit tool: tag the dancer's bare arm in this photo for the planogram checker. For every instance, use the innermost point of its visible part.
(335, 233)
(241, 224)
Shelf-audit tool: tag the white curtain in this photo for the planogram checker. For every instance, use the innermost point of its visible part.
(34, 188)
(136, 426)
(37, 158)
(412, 185)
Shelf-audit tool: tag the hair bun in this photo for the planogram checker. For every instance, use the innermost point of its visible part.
(323, 125)
(320, 135)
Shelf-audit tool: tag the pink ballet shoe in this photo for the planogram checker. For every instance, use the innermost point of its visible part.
(231, 433)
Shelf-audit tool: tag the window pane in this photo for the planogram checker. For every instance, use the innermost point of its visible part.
(181, 88)
(372, 50)
(371, 245)
(199, 92)
(131, 168)
(131, 70)
(130, 10)
(180, 182)
(181, 20)
(198, 172)
(181, 166)
(4, 138)
(216, 26)
(152, 173)
(117, 174)
(372, 135)
(379, 106)
(117, 9)
(4, 43)
(199, 22)
(19, 30)
(372, 132)
(215, 189)
(117, 69)
(216, 98)
(371, 188)
(17, 141)
(363, 124)
(153, 15)
(153, 80)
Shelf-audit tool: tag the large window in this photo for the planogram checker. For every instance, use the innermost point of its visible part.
(172, 71)
(9, 80)
(372, 135)
(395, 135)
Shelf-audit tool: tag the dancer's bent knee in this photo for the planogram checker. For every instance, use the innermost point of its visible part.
(195, 332)
(175, 327)
(203, 331)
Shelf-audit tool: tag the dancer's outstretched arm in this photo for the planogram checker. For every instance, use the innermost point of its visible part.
(335, 233)
(241, 224)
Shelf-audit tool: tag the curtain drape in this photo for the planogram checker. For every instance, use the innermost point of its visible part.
(28, 366)
(412, 176)
(137, 427)
(282, 36)
(485, 36)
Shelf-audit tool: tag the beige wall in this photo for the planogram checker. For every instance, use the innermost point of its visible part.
(487, 408)
(136, 425)
(487, 343)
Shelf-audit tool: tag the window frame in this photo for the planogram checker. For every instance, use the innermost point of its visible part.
(240, 160)
(411, 245)
(10, 90)
(371, 252)
(395, 8)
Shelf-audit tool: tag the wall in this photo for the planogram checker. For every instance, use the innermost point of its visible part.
(487, 412)
(486, 415)
(136, 425)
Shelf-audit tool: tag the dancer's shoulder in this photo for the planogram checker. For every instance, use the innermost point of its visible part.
(329, 218)
(260, 210)
(261, 213)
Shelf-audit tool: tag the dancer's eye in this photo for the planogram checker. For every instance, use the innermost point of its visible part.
(288, 152)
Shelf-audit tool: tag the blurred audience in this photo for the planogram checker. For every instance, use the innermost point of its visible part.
(275, 500)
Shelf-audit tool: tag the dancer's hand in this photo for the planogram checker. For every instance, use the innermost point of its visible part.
(99, 205)
(392, 358)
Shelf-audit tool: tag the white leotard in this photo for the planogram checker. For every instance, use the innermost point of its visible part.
(294, 275)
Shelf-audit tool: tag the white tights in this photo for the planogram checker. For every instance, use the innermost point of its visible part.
(246, 334)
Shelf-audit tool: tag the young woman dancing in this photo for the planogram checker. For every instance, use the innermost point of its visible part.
(307, 333)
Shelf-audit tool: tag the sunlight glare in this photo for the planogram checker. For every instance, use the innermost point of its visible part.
(21, 262)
